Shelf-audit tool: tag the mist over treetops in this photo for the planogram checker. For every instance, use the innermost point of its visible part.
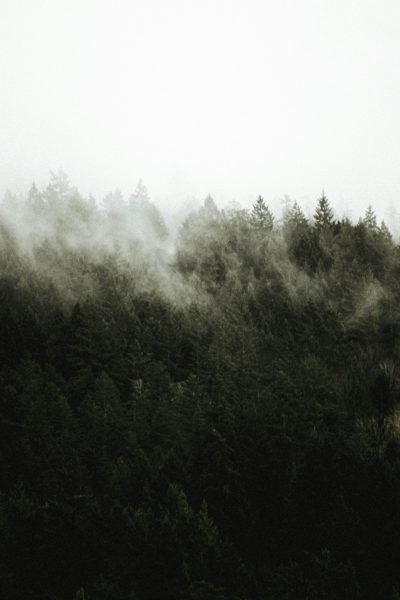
(198, 409)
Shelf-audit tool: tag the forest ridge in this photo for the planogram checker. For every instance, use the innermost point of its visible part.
(209, 415)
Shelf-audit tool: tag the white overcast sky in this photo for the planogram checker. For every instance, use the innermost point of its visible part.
(232, 97)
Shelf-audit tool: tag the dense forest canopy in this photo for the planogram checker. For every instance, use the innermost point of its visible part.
(207, 416)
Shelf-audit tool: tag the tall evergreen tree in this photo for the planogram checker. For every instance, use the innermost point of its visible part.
(35, 199)
(323, 216)
(295, 215)
(58, 188)
(370, 221)
(210, 208)
(261, 217)
(140, 195)
(141, 207)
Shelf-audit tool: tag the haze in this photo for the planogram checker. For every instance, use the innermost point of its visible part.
(236, 98)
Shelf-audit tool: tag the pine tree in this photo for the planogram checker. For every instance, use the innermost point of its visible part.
(114, 202)
(141, 207)
(370, 221)
(35, 199)
(295, 215)
(210, 208)
(140, 195)
(261, 217)
(58, 188)
(323, 216)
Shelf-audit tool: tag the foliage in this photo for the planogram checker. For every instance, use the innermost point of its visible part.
(216, 422)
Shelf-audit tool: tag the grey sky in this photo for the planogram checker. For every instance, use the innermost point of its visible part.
(234, 97)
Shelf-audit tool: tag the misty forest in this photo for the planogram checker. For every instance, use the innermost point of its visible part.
(206, 410)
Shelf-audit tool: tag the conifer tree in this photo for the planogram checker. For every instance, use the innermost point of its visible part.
(323, 216)
(114, 202)
(35, 200)
(210, 208)
(369, 220)
(261, 217)
(295, 215)
(140, 195)
(140, 205)
(58, 188)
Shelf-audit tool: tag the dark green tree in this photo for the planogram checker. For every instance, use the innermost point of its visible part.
(370, 221)
(323, 216)
(261, 217)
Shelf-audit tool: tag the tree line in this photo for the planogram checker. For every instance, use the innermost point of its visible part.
(215, 421)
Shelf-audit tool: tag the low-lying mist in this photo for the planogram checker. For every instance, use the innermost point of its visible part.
(209, 255)
(62, 234)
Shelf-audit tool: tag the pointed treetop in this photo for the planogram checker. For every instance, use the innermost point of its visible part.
(295, 215)
(59, 184)
(286, 203)
(143, 208)
(35, 198)
(114, 201)
(141, 194)
(33, 190)
(323, 216)
(209, 205)
(369, 220)
(261, 217)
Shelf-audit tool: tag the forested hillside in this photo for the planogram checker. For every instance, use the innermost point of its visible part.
(211, 417)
